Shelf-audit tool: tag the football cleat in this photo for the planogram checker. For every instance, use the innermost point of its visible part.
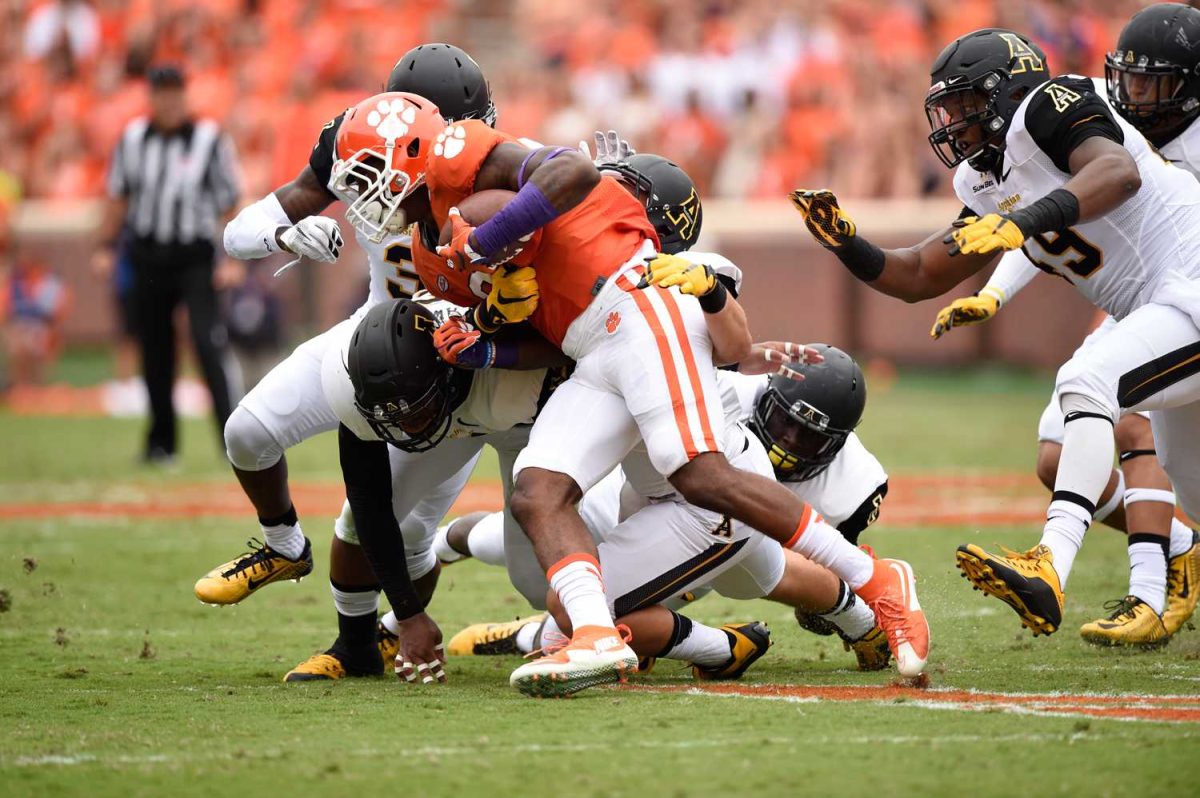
(891, 593)
(262, 565)
(749, 642)
(1027, 582)
(811, 622)
(389, 644)
(318, 667)
(490, 639)
(1132, 623)
(1183, 587)
(594, 655)
(330, 665)
(871, 649)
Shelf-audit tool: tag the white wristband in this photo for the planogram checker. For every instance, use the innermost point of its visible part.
(251, 234)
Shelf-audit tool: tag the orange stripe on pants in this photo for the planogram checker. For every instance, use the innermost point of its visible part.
(668, 363)
(689, 361)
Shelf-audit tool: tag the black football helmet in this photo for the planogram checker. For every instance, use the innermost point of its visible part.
(976, 86)
(804, 424)
(671, 200)
(1153, 76)
(401, 387)
(447, 77)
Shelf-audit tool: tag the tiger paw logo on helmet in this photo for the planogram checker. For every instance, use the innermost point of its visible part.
(450, 142)
(391, 118)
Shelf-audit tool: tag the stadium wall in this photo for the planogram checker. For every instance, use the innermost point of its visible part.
(794, 289)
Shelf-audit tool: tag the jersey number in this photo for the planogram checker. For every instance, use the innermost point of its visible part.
(1058, 253)
(404, 282)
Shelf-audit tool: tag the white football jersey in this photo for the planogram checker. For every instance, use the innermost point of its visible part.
(1184, 150)
(1119, 260)
(499, 399)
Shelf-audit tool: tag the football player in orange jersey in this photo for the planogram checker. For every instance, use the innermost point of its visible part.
(643, 390)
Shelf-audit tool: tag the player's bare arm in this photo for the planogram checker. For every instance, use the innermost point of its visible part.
(303, 196)
(912, 274)
(564, 176)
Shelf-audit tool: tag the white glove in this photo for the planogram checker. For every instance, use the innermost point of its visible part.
(315, 238)
(611, 148)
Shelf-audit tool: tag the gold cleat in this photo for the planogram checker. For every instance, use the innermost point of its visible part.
(318, 667)
(750, 641)
(262, 565)
(1027, 582)
(1132, 623)
(490, 639)
(1183, 587)
(871, 649)
(389, 644)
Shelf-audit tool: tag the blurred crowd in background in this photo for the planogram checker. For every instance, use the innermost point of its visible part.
(752, 97)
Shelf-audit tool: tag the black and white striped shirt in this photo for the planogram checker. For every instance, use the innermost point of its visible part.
(178, 184)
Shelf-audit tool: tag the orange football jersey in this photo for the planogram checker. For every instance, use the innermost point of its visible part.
(578, 251)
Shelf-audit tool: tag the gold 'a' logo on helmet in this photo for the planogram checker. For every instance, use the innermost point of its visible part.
(1021, 55)
(424, 323)
(683, 218)
(1129, 59)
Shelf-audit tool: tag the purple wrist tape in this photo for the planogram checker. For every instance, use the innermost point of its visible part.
(523, 214)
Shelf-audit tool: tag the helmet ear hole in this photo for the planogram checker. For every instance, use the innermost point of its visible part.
(414, 148)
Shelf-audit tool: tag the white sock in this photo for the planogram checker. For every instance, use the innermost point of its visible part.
(576, 580)
(527, 637)
(700, 644)
(442, 548)
(1148, 569)
(390, 623)
(1083, 471)
(1063, 535)
(353, 603)
(850, 615)
(1181, 537)
(824, 545)
(287, 539)
(486, 541)
(1114, 501)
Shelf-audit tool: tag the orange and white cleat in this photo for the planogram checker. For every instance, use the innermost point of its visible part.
(595, 655)
(891, 593)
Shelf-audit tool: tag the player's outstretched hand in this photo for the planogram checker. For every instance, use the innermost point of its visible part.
(979, 235)
(825, 220)
(421, 657)
(966, 310)
(778, 357)
(611, 148)
(666, 270)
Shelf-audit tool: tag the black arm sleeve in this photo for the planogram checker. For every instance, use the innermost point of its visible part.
(866, 514)
(368, 477)
(965, 212)
(320, 160)
(1066, 112)
(729, 284)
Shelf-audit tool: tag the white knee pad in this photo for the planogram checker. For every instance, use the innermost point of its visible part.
(1083, 387)
(343, 526)
(249, 445)
(418, 550)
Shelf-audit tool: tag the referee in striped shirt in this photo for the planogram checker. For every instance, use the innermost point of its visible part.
(172, 184)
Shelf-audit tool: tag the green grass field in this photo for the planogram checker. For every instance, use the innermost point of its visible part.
(117, 682)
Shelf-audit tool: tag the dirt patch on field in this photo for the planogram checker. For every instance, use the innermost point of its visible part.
(1129, 707)
(913, 500)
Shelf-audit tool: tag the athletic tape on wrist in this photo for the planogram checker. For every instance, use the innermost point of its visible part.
(521, 216)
